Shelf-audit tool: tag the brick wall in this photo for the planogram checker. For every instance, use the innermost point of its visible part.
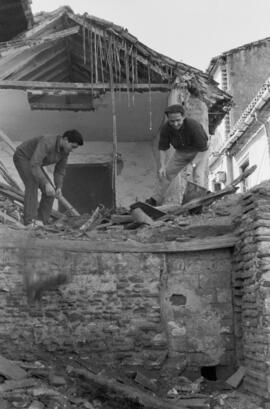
(135, 308)
(251, 288)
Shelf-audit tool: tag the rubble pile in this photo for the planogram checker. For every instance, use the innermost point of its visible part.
(78, 382)
(210, 218)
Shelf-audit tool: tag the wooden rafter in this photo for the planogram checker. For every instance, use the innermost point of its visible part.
(10, 66)
(43, 71)
(23, 44)
(23, 85)
(45, 26)
(37, 63)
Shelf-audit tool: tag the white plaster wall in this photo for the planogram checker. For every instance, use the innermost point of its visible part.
(257, 152)
(136, 119)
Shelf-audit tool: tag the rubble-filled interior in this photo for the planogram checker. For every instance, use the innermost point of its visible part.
(168, 314)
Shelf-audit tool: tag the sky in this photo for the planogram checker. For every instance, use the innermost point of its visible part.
(191, 31)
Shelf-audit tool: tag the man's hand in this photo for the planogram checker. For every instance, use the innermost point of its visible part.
(58, 192)
(49, 190)
(162, 172)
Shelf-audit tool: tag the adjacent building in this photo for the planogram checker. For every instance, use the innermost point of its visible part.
(241, 140)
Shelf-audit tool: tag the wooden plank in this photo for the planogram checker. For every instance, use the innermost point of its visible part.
(8, 219)
(139, 216)
(244, 175)
(16, 61)
(11, 370)
(34, 65)
(237, 377)
(38, 41)
(18, 384)
(125, 391)
(17, 239)
(24, 85)
(61, 107)
(195, 203)
(208, 199)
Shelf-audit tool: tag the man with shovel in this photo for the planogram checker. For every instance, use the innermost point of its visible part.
(190, 142)
(29, 159)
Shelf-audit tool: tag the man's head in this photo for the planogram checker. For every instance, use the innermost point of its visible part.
(176, 115)
(71, 140)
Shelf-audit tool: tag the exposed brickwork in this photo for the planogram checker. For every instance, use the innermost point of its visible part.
(251, 287)
(130, 307)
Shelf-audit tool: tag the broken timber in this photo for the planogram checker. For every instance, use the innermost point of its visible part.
(11, 239)
(27, 85)
(196, 203)
(208, 199)
(127, 392)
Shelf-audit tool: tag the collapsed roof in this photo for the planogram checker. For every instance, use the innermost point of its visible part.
(68, 48)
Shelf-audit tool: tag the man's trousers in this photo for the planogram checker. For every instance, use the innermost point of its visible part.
(176, 163)
(32, 211)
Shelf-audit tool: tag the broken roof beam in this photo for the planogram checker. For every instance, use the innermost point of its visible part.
(49, 23)
(27, 85)
(11, 45)
(15, 240)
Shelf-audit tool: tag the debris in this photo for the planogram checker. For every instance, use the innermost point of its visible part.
(151, 211)
(126, 392)
(56, 380)
(36, 404)
(11, 370)
(185, 386)
(121, 218)
(43, 390)
(237, 377)
(139, 216)
(145, 381)
(197, 203)
(19, 384)
(91, 220)
(6, 218)
(193, 191)
(3, 404)
(196, 403)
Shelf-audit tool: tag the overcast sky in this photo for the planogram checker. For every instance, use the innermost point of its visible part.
(192, 31)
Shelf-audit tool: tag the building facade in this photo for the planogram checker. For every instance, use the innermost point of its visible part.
(239, 142)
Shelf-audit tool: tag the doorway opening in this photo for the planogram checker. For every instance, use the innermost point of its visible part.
(88, 185)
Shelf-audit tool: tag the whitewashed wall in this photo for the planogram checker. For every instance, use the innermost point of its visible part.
(257, 153)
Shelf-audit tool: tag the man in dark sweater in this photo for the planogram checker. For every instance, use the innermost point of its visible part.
(190, 142)
(29, 159)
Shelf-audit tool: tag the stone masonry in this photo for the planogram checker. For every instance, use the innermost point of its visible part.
(129, 308)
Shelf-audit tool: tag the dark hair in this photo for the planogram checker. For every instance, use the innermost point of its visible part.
(176, 108)
(73, 136)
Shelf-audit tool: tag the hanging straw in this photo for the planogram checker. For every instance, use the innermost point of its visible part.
(84, 46)
(127, 74)
(150, 97)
